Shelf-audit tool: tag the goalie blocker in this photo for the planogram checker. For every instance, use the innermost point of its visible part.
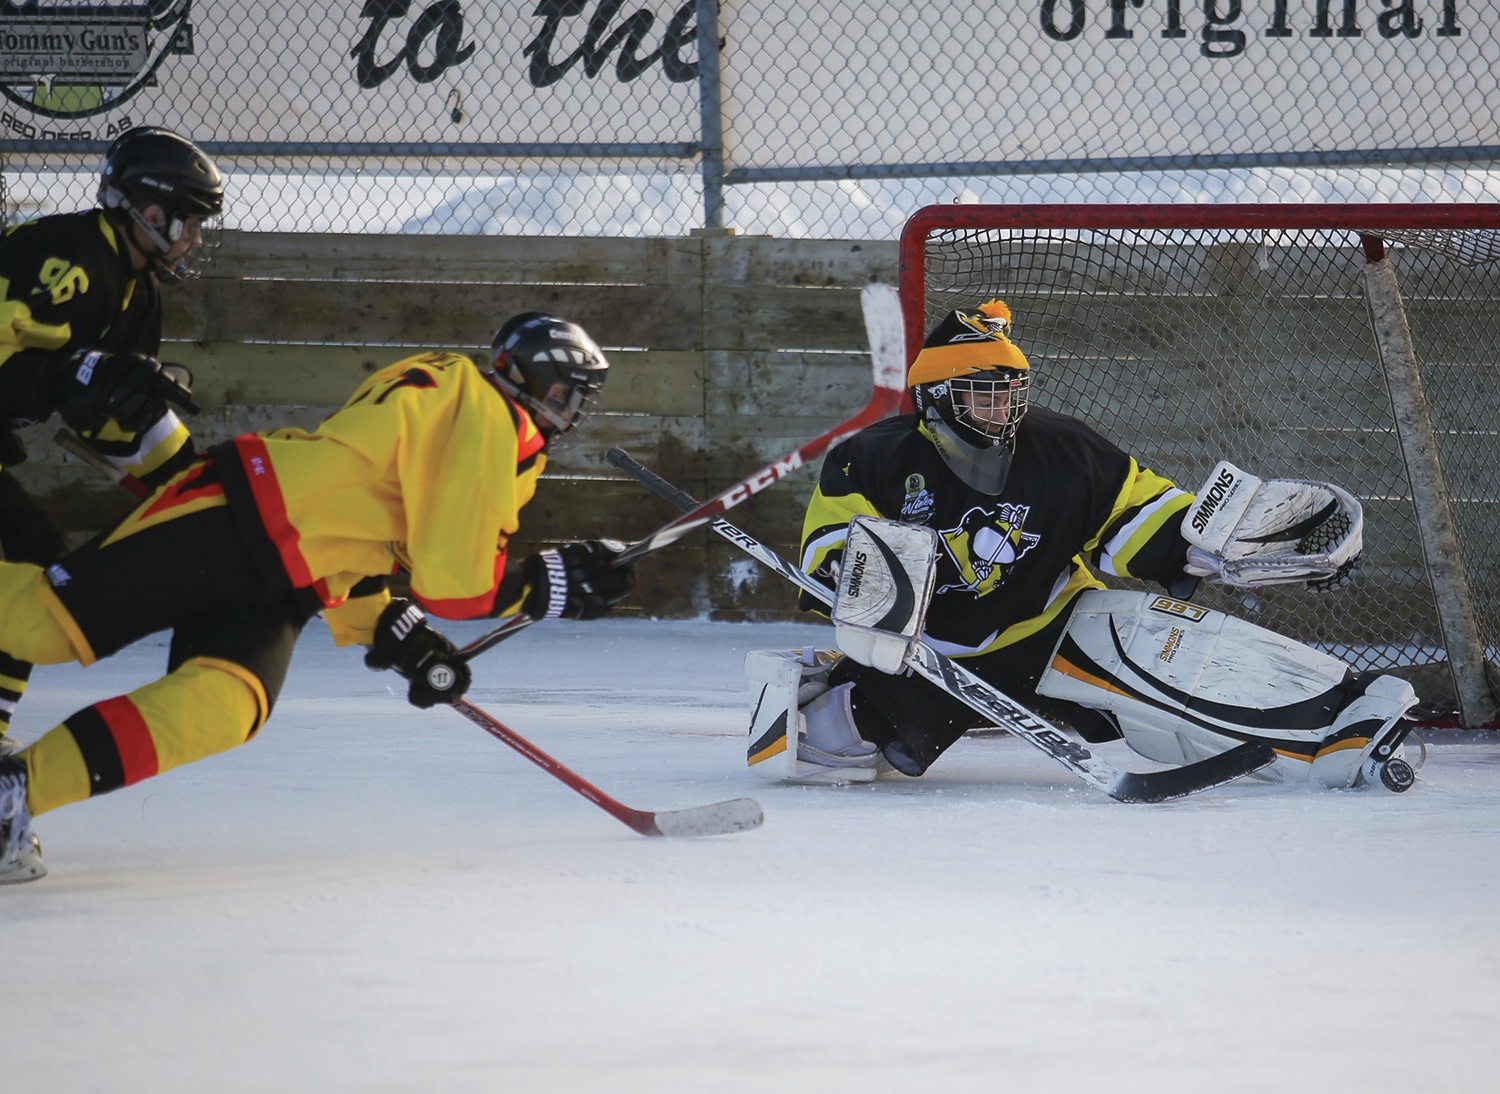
(802, 730)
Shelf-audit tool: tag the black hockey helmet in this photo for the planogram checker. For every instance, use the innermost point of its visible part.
(970, 385)
(148, 166)
(533, 353)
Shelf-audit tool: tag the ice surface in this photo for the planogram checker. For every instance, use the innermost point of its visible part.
(375, 898)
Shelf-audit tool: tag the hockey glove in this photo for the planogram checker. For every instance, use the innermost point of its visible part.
(577, 580)
(1245, 532)
(129, 389)
(404, 642)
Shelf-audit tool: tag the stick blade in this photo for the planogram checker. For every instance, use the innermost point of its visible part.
(719, 819)
(887, 334)
(1179, 782)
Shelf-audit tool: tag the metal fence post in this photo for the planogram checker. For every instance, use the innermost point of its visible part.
(710, 108)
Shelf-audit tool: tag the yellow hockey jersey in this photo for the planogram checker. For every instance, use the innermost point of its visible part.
(426, 467)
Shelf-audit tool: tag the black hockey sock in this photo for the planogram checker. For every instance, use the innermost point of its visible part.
(14, 676)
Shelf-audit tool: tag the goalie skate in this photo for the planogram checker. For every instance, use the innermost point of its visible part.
(1184, 683)
(800, 729)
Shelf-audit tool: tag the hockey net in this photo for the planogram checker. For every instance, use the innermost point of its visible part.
(1187, 334)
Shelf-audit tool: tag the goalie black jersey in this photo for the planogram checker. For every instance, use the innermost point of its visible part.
(1008, 564)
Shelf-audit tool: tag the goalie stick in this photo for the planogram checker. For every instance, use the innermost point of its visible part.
(886, 333)
(1125, 786)
(718, 819)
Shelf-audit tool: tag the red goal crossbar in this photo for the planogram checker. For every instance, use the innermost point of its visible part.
(1302, 216)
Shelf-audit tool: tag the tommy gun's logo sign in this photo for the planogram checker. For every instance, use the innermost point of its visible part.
(75, 60)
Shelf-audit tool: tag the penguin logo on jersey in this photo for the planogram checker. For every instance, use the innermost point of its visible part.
(985, 545)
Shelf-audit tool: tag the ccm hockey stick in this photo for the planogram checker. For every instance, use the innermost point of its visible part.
(942, 671)
(886, 333)
(721, 818)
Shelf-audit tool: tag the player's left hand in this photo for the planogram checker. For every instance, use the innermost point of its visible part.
(405, 642)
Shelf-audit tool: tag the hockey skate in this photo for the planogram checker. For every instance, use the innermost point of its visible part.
(801, 730)
(1384, 761)
(20, 850)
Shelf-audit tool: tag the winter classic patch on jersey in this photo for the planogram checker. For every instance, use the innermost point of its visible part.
(919, 503)
(985, 545)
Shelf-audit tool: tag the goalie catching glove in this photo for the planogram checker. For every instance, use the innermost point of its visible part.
(1246, 532)
(577, 580)
(405, 642)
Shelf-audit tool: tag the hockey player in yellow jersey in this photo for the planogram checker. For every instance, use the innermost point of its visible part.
(425, 470)
(1023, 510)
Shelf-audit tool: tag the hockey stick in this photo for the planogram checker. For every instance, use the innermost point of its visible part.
(884, 329)
(721, 818)
(946, 674)
(72, 444)
(510, 625)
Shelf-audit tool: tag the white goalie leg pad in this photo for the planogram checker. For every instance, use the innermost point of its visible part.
(1247, 532)
(785, 686)
(1185, 682)
(884, 586)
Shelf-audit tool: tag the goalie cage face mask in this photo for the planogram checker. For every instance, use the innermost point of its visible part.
(972, 421)
(970, 384)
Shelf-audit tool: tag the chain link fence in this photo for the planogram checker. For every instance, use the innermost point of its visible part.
(796, 119)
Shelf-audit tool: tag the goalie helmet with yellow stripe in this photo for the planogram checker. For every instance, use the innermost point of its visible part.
(970, 384)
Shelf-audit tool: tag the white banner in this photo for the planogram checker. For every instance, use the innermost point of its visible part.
(450, 71)
(943, 81)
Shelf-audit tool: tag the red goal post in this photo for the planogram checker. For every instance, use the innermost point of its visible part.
(1353, 343)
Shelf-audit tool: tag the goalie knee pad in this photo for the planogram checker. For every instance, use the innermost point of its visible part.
(802, 731)
(1185, 683)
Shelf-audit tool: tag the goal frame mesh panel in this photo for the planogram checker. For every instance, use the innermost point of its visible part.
(1349, 343)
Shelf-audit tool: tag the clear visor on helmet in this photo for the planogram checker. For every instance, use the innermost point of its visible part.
(990, 403)
(564, 404)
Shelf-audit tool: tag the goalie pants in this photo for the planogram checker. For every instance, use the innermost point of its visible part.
(232, 640)
(27, 534)
(926, 720)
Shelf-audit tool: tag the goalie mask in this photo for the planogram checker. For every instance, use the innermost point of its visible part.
(149, 167)
(969, 384)
(550, 366)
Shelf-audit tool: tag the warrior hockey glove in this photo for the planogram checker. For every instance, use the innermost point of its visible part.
(129, 389)
(404, 642)
(577, 580)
